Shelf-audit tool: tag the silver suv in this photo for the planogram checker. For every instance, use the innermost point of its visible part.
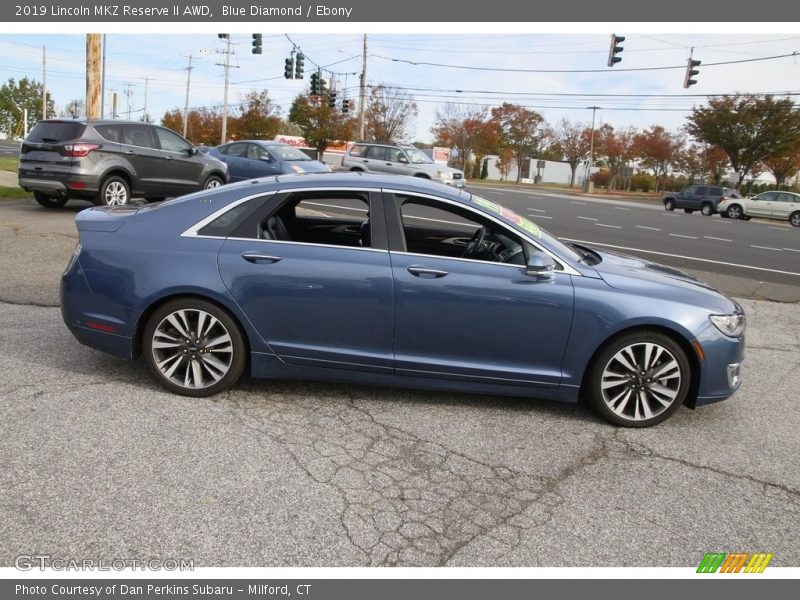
(110, 161)
(398, 159)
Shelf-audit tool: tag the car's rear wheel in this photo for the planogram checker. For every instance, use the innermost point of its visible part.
(49, 201)
(707, 210)
(794, 218)
(734, 211)
(114, 191)
(193, 347)
(639, 379)
(669, 204)
(214, 181)
(357, 170)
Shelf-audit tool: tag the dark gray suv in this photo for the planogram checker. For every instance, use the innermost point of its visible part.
(110, 161)
(702, 197)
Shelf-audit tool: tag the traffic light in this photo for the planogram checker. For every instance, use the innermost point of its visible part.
(690, 72)
(299, 63)
(615, 49)
(288, 69)
(345, 106)
(223, 36)
(332, 99)
(315, 84)
(257, 43)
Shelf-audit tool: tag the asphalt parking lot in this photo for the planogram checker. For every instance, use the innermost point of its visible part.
(100, 462)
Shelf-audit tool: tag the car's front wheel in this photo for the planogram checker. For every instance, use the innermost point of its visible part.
(669, 204)
(639, 379)
(114, 191)
(214, 181)
(794, 218)
(707, 210)
(193, 347)
(735, 211)
(49, 201)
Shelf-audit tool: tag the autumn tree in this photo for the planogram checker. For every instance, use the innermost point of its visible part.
(320, 123)
(784, 166)
(257, 119)
(16, 97)
(204, 124)
(615, 150)
(505, 162)
(521, 131)
(389, 115)
(750, 129)
(468, 129)
(571, 141)
(658, 150)
(692, 162)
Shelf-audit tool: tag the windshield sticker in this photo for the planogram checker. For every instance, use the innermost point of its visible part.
(509, 215)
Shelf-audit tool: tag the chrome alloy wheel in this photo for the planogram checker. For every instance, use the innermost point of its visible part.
(192, 349)
(115, 194)
(641, 381)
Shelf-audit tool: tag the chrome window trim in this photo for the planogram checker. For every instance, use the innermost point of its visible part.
(238, 239)
(566, 268)
(468, 260)
(193, 230)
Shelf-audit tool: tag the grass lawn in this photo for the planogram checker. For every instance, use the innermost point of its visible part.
(9, 163)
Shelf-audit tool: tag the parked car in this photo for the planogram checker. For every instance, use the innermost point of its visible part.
(770, 205)
(248, 159)
(393, 281)
(399, 159)
(110, 161)
(704, 198)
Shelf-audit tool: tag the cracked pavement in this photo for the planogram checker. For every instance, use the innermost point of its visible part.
(100, 462)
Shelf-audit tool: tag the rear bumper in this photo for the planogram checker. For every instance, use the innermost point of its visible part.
(46, 186)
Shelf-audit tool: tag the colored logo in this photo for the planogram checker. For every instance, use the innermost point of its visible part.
(735, 562)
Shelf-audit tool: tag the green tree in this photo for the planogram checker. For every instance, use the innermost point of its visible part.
(15, 97)
(468, 129)
(319, 123)
(521, 131)
(750, 129)
(258, 118)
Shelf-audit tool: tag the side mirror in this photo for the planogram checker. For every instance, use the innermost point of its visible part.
(265, 158)
(191, 151)
(540, 265)
(402, 159)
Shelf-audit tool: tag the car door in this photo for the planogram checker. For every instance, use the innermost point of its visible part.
(235, 156)
(375, 159)
(785, 205)
(260, 162)
(696, 198)
(140, 149)
(470, 320)
(761, 205)
(397, 162)
(183, 170)
(326, 301)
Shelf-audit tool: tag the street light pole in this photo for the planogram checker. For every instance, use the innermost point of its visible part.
(586, 181)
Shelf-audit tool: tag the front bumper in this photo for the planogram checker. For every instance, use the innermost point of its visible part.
(720, 371)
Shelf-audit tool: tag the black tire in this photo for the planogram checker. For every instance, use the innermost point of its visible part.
(794, 218)
(157, 199)
(708, 209)
(114, 191)
(688, 211)
(669, 204)
(215, 359)
(660, 395)
(422, 176)
(357, 170)
(213, 181)
(735, 212)
(49, 201)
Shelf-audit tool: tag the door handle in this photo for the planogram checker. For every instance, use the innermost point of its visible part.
(426, 272)
(256, 257)
(170, 158)
(130, 152)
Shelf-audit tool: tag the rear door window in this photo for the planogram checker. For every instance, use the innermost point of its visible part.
(112, 133)
(139, 135)
(701, 190)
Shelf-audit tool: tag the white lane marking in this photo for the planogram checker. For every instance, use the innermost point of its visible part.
(777, 228)
(688, 237)
(538, 209)
(612, 226)
(589, 218)
(791, 249)
(669, 215)
(694, 258)
(766, 248)
(621, 208)
(646, 227)
(541, 217)
(495, 193)
(576, 202)
(711, 237)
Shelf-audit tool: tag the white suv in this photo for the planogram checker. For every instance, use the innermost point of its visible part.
(397, 159)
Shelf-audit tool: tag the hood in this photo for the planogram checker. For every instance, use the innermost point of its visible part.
(632, 274)
(307, 166)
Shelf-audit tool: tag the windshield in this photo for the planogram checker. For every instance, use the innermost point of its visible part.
(417, 157)
(286, 152)
(509, 216)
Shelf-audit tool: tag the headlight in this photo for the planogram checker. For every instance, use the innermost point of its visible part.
(731, 325)
(445, 174)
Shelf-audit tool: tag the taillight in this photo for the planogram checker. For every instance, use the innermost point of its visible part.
(80, 150)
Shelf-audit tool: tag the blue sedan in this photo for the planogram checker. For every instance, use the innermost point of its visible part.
(393, 281)
(248, 159)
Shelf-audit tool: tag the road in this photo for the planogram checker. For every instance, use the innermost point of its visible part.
(98, 461)
(8, 148)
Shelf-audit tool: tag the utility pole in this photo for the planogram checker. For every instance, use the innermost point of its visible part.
(227, 65)
(362, 98)
(44, 82)
(186, 104)
(103, 82)
(587, 184)
(128, 94)
(94, 99)
(145, 118)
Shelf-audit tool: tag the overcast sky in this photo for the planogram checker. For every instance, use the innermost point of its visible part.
(163, 58)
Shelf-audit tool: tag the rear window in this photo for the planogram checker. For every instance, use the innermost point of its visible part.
(50, 133)
(357, 150)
